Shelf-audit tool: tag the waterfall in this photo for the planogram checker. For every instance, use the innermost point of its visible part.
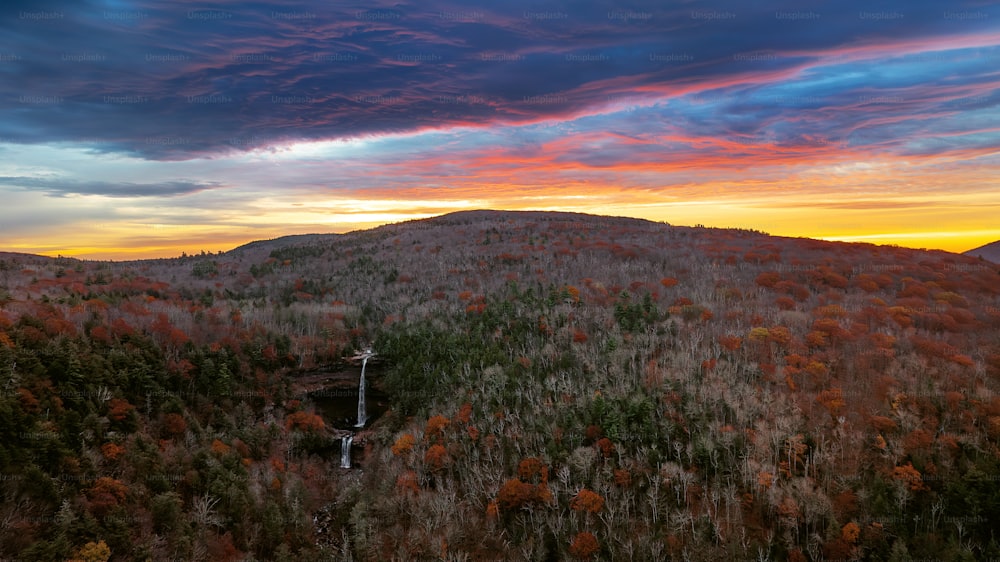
(345, 451)
(362, 415)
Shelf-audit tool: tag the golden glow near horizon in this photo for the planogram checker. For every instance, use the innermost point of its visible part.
(894, 223)
(919, 203)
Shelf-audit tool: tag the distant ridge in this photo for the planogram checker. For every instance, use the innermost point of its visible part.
(989, 252)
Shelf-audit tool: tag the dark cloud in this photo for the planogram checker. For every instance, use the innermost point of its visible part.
(179, 79)
(61, 187)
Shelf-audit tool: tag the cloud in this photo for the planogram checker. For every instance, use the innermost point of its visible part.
(176, 80)
(63, 187)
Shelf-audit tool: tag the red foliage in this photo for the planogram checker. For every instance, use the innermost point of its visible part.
(531, 467)
(515, 494)
(403, 445)
(220, 448)
(910, 476)
(407, 483)
(436, 457)
(119, 409)
(435, 427)
(587, 501)
(105, 495)
(730, 343)
(464, 413)
(221, 547)
(584, 546)
(120, 328)
(918, 440)
(304, 421)
(768, 279)
(593, 432)
(174, 425)
(606, 446)
(28, 401)
(623, 477)
(112, 451)
(784, 303)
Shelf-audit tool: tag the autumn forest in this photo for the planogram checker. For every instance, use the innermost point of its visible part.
(543, 386)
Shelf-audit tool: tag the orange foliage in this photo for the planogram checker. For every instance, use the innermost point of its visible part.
(816, 339)
(623, 477)
(220, 448)
(515, 494)
(832, 400)
(587, 501)
(403, 445)
(917, 440)
(779, 335)
(492, 510)
(436, 457)
(407, 483)
(28, 401)
(106, 494)
(730, 343)
(435, 427)
(850, 532)
(112, 451)
(584, 546)
(882, 423)
(221, 548)
(817, 369)
(304, 421)
(98, 334)
(530, 467)
(910, 476)
(464, 413)
(765, 479)
(606, 446)
(784, 303)
(174, 425)
(668, 282)
(119, 409)
(768, 279)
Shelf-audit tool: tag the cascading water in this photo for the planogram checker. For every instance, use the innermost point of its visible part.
(362, 415)
(345, 451)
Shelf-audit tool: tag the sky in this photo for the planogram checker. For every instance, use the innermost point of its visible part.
(135, 129)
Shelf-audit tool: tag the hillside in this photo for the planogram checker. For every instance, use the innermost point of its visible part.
(989, 252)
(546, 386)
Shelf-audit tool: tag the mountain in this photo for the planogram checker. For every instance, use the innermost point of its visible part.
(540, 386)
(989, 252)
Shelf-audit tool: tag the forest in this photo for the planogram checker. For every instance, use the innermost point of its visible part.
(556, 386)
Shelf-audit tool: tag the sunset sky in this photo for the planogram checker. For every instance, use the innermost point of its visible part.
(144, 129)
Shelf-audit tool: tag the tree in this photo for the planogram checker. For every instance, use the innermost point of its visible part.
(584, 546)
(587, 501)
(435, 427)
(174, 425)
(92, 552)
(304, 421)
(403, 445)
(105, 495)
(909, 476)
(515, 494)
(436, 457)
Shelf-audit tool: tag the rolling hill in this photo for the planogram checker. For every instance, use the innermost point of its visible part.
(548, 386)
(989, 252)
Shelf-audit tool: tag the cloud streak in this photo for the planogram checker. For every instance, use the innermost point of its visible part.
(64, 188)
